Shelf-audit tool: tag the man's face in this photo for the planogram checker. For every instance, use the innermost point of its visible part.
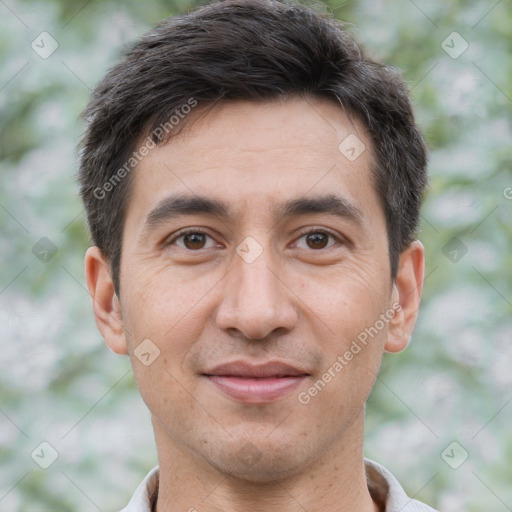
(252, 286)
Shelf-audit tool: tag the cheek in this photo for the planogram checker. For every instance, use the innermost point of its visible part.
(172, 306)
(167, 306)
(349, 331)
(345, 302)
(352, 344)
(168, 312)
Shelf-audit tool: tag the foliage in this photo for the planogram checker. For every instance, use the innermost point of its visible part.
(58, 382)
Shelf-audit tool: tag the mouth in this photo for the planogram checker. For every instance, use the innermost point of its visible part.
(256, 384)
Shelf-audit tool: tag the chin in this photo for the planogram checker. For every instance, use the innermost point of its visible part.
(260, 463)
(260, 473)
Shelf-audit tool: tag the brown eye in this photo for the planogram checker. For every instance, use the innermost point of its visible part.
(317, 240)
(194, 240)
(191, 240)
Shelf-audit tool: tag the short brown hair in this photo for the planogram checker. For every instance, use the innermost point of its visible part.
(246, 50)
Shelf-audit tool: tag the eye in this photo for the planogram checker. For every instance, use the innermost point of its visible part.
(318, 239)
(192, 239)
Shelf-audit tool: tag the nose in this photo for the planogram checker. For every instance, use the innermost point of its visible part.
(257, 300)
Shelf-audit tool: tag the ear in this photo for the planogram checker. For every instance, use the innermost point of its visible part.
(106, 305)
(406, 296)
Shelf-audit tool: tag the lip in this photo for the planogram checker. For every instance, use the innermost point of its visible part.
(257, 371)
(256, 384)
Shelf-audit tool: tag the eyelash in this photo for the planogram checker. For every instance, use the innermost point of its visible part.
(188, 231)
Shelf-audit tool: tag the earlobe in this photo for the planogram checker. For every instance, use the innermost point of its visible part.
(106, 306)
(406, 297)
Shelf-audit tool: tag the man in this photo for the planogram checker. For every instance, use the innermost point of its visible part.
(252, 183)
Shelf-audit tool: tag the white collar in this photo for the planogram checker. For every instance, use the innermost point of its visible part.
(382, 484)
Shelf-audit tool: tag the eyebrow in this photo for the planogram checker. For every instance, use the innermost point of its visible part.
(175, 206)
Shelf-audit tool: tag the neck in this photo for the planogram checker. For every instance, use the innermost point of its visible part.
(335, 481)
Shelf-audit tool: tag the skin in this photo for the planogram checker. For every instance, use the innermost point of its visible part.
(202, 304)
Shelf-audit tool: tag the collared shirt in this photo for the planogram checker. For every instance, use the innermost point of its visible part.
(383, 486)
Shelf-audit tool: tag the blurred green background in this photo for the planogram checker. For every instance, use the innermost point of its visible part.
(60, 384)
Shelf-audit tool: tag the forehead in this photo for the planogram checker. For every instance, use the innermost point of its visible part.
(266, 153)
